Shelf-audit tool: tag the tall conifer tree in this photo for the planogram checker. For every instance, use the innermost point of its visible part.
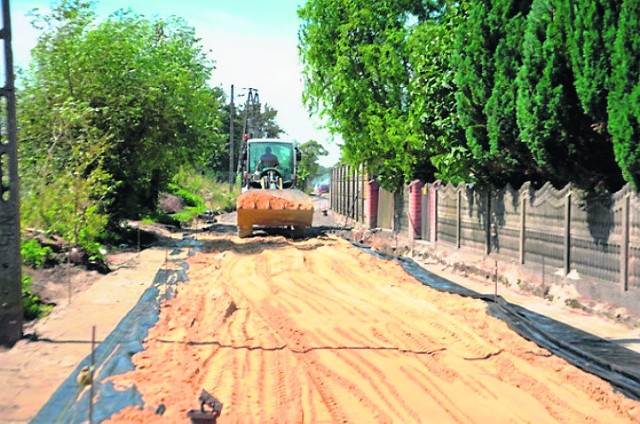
(624, 98)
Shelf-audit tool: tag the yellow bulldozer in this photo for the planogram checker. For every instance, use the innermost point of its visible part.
(269, 195)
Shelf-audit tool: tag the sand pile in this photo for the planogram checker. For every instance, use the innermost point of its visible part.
(274, 199)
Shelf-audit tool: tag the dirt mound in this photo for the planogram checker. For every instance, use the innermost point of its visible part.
(274, 199)
(170, 203)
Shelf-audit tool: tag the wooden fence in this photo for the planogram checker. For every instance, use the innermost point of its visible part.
(593, 239)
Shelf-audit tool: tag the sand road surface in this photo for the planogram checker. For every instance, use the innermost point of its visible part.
(320, 331)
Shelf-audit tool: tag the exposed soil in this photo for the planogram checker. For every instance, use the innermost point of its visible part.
(306, 331)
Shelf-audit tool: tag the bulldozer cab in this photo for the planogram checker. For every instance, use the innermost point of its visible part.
(265, 154)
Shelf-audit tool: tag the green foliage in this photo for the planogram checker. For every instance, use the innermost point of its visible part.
(591, 32)
(509, 159)
(308, 167)
(33, 254)
(199, 192)
(195, 205)
(543, 119)
(356, 76)
(503, 91)
(433, 121)
(564, 141)
(32, 306)
(107, 112)
(488, 54)
(474, 48)
(624, 98)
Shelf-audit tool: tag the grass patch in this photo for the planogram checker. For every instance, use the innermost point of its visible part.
(573, 303)
(33, 254)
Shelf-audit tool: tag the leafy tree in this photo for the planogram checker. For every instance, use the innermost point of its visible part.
(433, 120)
(509, 160)
(590, 36)
(115, 107)
(624, 98)
(356, 75)
(265, 124)
(309, 168)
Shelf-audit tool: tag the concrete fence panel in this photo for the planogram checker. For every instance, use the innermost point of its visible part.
(592, 239)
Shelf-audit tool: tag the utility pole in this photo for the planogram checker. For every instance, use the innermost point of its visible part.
(231, 142)
(252, 102)
(10, 272)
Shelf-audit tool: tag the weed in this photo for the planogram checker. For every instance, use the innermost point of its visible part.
(33, 254)
(573, 303)
(32, 306)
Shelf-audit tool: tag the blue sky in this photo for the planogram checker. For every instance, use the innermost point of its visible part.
(253, 42)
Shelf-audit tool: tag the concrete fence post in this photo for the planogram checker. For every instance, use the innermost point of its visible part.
(347, 191)
(362, 179)
(434, 233)
(342, 190)
(458, 218)
(424, 213)
(523, 226)
(487, 201)
(567, 234)
(354, 192)
(334, 190)
(331, 187)
(624, 244)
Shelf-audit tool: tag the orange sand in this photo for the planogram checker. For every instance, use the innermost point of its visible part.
(274, 199)
(318, 331)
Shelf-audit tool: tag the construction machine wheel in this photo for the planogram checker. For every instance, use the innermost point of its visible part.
(244, 232)
(297, 231)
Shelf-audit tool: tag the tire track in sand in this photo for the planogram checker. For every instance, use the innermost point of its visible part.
(368, 351)
(369, 364)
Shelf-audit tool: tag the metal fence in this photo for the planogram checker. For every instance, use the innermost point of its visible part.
(347, 192)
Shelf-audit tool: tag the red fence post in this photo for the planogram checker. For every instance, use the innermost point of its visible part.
(372, 204)
(415, 209)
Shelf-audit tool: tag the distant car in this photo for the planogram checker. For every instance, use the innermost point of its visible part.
(322, 188)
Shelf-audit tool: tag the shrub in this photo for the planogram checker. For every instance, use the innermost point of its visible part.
(33, 254)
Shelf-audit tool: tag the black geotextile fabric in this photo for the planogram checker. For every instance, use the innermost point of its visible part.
(70, 402)
(616, 364)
